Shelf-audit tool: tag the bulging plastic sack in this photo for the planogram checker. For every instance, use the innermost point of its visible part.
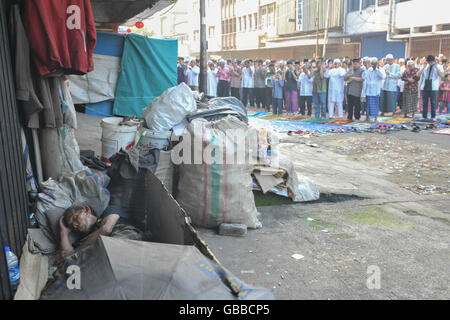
(215, 187)
(232, 103)
(170, 108)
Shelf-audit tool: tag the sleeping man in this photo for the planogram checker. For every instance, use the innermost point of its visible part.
(83, 220)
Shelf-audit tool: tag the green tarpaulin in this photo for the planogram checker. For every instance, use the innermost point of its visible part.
(149, 67)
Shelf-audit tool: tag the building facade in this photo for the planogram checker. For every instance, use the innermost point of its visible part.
(424, 25)
(182, 21)
(284, 29)
(367, 23)
(404, 28)
(300, 29)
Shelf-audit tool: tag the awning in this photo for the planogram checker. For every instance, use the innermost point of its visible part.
(359, 35)
(147, 13)
(119, 11)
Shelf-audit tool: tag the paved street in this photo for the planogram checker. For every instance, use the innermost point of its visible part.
(370, 218)
(403, 233)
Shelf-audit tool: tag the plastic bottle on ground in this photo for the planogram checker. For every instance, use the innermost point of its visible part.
(13, 268)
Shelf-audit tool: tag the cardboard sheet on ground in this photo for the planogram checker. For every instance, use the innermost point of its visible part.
(164, 269)
(267, 182)
(117, 269)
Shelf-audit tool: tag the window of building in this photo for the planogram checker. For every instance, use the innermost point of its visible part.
(361, 5)
(383, 2)
(196, 33)
(299, 10)
(367, 3)
(244, 20)
(266, 16)
(255, 20)
(249, 22)
(263, 18)
(270, 15)
(353, 5)
(163, 25)
(183, 39)
(211, 32)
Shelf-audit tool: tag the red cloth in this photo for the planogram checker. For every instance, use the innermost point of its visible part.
(56, 48)
(444, 95)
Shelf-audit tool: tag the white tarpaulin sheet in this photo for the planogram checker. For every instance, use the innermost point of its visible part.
(98, 85)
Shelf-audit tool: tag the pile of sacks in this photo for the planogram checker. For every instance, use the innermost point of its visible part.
(210, 186)
(211, 160)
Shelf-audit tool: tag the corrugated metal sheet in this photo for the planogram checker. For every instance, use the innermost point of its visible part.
(119, 11)
(286, 12)
(13, 197)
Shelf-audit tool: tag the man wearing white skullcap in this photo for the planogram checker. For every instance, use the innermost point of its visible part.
(393, 74)
(192, 73)
(223, 79)
(336, 88)
(354, 82)
(372, 79)
(365, 66)
(366, 63)
(211, 80)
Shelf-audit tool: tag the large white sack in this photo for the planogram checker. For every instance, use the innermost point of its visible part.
(60, 152)
(170, 108)
(213, 193)
(98, 85)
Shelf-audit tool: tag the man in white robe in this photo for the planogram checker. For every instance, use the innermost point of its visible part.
(211, 83)
(336, 75)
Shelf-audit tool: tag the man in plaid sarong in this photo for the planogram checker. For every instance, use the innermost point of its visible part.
(372, 80)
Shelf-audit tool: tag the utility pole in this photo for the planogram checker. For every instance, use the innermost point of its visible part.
(317, 30)
(203, 48)
(325, 39)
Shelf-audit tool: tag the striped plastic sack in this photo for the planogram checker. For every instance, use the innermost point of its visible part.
(215, 187)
